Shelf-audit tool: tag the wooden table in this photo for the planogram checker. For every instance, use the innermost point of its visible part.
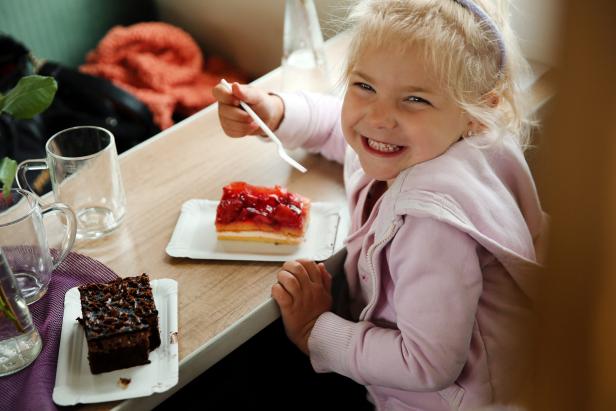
(221, 303)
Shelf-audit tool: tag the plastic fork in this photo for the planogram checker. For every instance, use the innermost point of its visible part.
(281, 151)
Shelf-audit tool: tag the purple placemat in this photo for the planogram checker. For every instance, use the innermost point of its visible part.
(31, 388)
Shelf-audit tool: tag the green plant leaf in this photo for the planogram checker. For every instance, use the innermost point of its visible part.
(30, 96)
(8, 167)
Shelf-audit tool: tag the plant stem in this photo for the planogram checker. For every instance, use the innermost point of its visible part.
(8, 310)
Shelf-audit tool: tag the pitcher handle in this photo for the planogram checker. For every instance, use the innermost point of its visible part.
(71, 228)
(28, 165)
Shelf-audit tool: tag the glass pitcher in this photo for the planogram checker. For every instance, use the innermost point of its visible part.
(24, 240)
(20, 342)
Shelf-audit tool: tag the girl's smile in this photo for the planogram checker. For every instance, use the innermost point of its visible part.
(380, 148)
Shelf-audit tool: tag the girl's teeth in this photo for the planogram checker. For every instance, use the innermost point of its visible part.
(387, 148)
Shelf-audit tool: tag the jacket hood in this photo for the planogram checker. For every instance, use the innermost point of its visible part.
(487, 192)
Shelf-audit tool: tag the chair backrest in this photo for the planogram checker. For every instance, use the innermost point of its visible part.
(576, 334)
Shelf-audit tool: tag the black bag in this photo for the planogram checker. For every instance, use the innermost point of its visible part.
(81, 99)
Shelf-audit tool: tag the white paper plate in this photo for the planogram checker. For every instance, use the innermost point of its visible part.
(195, 236)
(76, 384)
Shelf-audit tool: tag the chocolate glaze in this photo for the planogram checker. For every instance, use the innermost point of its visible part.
(120, 321)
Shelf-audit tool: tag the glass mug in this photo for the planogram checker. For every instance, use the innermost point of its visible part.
(23, 241)
(85, 174)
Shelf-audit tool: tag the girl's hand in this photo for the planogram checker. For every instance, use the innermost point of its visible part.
(303, 293)
(236, 122)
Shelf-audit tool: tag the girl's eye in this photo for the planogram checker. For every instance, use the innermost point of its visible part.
(363, 86)
(415, 99)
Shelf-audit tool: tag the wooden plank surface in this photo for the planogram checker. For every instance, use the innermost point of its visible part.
(194, 160)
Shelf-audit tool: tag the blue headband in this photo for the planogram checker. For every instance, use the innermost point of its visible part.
(473, 8)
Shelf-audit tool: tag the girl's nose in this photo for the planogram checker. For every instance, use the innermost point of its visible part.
(382, 115)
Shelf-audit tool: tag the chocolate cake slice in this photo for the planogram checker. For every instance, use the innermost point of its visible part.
(120, 321)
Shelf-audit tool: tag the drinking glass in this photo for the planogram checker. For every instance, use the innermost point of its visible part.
(85, 174)
(23, 240)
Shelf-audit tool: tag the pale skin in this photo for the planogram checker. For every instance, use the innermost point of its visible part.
(303, 293)
(394, 116)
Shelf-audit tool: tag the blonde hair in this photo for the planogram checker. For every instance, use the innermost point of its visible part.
(463, 51)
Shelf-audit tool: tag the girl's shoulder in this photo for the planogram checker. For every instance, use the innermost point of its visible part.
(486, 192)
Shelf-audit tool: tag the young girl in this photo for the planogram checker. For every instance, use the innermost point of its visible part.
(444, 212)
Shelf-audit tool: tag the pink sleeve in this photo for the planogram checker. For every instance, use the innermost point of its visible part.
(312, 121)
(438, 281)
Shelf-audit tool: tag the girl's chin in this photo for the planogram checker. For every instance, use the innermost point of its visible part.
(380, 174)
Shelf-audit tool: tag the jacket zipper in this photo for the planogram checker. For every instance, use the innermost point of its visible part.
(371, 251)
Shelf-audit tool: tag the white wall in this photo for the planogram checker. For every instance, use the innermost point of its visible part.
(249, 32)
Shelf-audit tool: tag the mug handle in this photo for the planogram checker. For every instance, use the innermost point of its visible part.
(29, 165)
(71, 228)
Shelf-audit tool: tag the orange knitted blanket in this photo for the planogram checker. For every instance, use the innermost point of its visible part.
(162, 66)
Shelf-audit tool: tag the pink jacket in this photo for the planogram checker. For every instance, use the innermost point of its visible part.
(440, 275)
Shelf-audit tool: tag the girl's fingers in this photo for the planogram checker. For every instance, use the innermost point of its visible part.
(281, 296)
(233, 113)
(223, 96)
(226, 121)
(246, 93)
(289, 282)
(254, 129)
(297, 270)
(233, 130)
(241, 132)
(235, 133)
(313, 270)
(237, 125)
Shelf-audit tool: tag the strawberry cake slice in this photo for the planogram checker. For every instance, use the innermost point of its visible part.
(263, 214)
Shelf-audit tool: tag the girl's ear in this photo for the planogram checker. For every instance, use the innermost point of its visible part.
(473, 127)
(491, 99)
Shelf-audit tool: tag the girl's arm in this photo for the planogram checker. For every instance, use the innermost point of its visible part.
(312, 121)
(438, 282)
